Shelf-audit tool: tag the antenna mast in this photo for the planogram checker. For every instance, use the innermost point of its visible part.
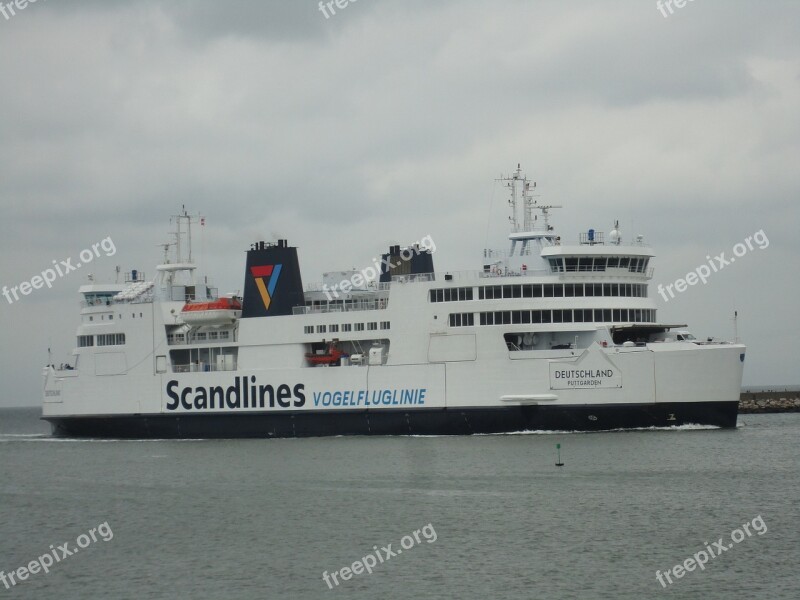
(522, 190)
(512, 183)
(178, 233)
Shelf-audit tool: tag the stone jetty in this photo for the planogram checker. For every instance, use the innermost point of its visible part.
(769, 402)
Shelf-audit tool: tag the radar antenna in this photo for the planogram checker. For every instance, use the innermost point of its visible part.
(522, 193)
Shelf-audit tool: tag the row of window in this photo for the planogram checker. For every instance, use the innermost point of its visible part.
(462, 319)
(539, 290)
(571, 264)
(562, 290)
(200, 336)
(346, 327)
(103, 339)
(578, 315)
(111, 339)
(451, 294)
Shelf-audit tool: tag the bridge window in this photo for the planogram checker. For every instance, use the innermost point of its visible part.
(451, 294)
(562, 316)
(111, 339)
(526, 317)
(462, 319)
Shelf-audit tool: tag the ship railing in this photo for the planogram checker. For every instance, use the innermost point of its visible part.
(134, 276)
(146, 299)
(373, 286)
(410, 278)
(143, 299)
(528, 250)
(597, 238)
(492, 273)
(65, 370)
(338, 306)
(589, 270)
(202, 368)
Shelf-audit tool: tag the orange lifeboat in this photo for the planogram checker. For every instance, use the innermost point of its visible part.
(223, 311)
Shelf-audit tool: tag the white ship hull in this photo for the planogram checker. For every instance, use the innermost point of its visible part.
(661, 384)
(566, 338)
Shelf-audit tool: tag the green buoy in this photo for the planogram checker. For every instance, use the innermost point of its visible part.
(558, 449)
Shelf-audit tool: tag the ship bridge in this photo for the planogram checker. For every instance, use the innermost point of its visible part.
(535, 248)
(596, 258)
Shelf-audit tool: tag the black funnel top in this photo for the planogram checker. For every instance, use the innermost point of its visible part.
(272, 282)
(408, 261)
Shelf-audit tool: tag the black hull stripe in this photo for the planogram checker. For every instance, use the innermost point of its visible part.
(450, 421)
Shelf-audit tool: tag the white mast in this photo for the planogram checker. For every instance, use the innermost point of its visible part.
(512, 183)
(530, 231)
(170, 271)
(530, 222)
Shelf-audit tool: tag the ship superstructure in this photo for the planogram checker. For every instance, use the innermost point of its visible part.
(545, 335)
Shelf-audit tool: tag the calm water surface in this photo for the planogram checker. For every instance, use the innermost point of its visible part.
(265, 518)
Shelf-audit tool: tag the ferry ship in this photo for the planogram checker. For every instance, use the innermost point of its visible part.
(544, 335)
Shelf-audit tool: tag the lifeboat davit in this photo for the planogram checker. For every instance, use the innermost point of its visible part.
(331, 356)
(223, 311)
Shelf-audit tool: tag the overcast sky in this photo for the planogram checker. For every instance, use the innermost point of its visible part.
(389, 121)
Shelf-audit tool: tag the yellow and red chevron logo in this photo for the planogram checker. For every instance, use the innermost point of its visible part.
(270, 273)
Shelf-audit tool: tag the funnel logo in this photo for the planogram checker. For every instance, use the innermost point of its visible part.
(270, 273)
